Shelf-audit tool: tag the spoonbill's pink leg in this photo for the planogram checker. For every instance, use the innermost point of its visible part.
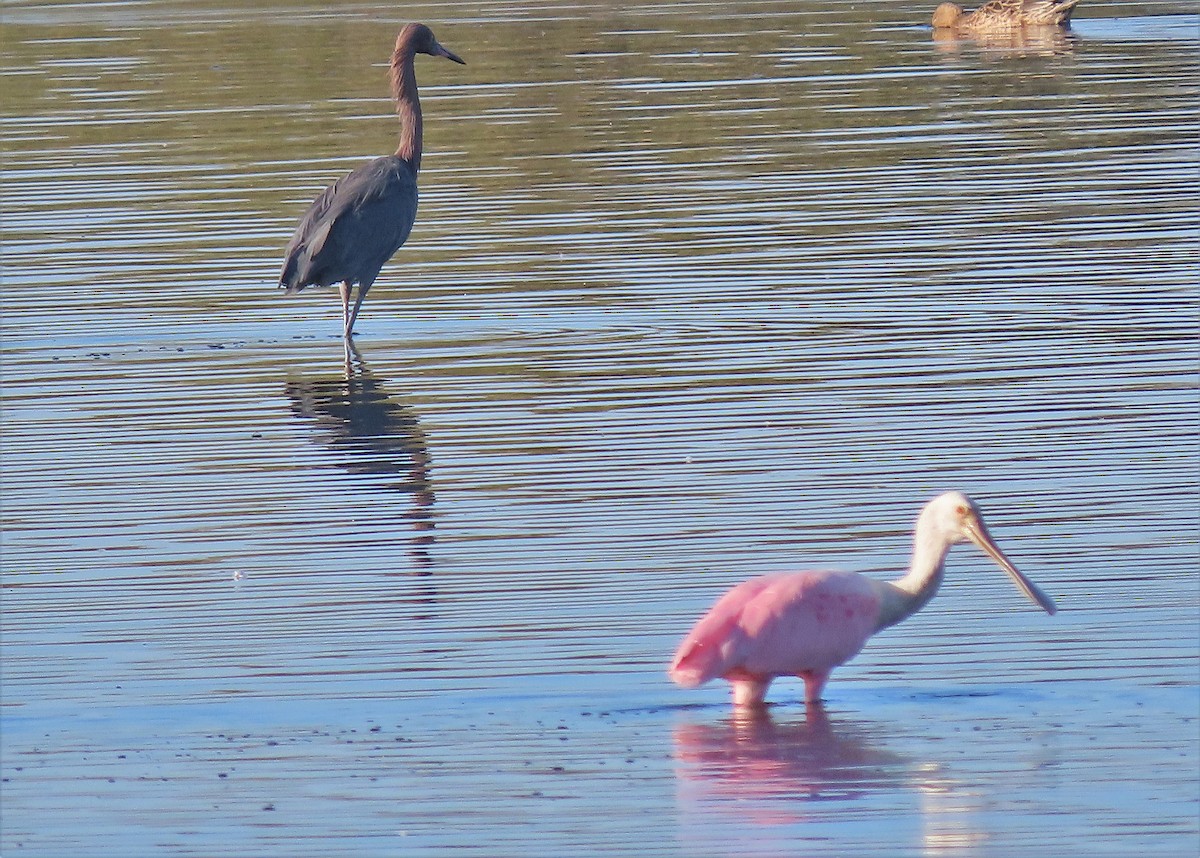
(814, 684)
(749, 692)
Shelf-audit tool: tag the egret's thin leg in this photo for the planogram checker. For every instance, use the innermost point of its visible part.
(362, 293)
(344, 290)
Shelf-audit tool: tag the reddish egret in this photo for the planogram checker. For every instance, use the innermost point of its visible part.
(1005, 15)
(807, 623)
(355, 226)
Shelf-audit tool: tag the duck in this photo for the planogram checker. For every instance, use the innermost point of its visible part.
(1000, 15)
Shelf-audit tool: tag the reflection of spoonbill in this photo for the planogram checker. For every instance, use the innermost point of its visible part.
(807, 623)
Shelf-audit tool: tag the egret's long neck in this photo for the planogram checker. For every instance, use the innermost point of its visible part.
(408, 107)
(905, 596)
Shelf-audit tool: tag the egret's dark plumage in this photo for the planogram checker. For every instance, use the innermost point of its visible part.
(355, 226)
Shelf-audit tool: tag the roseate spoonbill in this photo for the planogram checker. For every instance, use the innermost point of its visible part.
(359, 222)
(1005, 15)
(807, 623)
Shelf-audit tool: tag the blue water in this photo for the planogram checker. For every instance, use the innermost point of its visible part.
(690, 298)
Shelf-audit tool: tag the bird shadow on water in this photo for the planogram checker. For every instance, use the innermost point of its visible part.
(373, 437)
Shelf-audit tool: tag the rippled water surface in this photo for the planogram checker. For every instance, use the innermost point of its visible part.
(696, 291)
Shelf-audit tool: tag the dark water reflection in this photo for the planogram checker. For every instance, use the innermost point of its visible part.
(372, 435)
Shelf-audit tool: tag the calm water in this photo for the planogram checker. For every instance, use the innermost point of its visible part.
(695, 292)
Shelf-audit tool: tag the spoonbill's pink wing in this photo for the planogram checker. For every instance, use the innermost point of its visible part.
(705, 650)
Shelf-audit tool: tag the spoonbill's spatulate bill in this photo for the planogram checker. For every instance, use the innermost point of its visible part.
(359, 222)
(807, 623)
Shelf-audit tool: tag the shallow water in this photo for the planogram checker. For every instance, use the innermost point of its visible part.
(690, 297)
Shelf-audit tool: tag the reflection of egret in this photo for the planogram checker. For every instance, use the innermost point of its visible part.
(374, 436)
(807, 623)
(765, 778)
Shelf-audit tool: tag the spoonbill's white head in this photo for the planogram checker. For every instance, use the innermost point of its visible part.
(952, 518)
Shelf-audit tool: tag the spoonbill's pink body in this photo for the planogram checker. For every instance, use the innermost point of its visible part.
(807, 623)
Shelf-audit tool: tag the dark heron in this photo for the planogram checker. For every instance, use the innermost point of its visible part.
(355, 226)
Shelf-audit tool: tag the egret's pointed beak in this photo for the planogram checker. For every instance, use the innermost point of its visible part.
(978, 534)
(439, 51)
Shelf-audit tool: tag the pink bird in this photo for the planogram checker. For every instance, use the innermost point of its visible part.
(807, 623)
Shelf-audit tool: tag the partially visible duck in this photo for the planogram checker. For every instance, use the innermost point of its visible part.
(996, 15)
